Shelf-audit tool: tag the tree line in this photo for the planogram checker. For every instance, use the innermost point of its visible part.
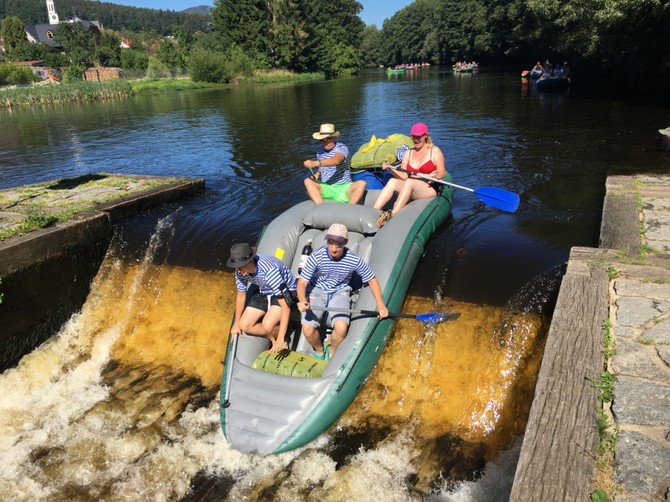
(112, 16)
(622, 39)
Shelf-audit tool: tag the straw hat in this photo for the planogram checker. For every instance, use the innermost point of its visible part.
(326, 131)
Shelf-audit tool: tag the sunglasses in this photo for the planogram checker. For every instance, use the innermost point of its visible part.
(417, 138)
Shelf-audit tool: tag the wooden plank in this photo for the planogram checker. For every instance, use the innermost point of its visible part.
(556, 460)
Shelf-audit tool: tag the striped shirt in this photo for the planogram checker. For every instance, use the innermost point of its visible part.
(270, 274)
(330, 275)
(339, 174)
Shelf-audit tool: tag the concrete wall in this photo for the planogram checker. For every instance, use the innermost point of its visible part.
(46, 274)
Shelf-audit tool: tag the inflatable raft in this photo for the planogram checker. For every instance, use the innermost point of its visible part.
(272, 404)
(553, 83)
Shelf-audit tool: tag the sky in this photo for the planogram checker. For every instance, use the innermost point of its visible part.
(374, 11)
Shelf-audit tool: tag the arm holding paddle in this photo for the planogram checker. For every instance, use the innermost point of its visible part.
(424, 158)
(376, 290)
(491, 196)
(240, 301)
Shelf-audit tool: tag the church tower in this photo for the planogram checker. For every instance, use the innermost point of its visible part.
(53, 16)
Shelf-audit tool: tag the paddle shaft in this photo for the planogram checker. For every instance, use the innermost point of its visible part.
(366, 312)
(491, 196)
(430, 178)
(229, 374)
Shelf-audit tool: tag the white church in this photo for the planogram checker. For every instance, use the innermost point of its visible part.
(37, 33)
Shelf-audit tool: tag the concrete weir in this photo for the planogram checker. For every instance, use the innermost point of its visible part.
(622, 290)
(46, 272)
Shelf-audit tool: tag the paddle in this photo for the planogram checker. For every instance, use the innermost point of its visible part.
(491, 196)
(428, 317)
(232, 353)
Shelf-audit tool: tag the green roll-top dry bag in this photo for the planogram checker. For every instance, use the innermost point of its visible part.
(379, 150)
(292, 364)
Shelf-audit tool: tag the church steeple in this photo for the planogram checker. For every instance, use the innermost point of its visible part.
(51, 9)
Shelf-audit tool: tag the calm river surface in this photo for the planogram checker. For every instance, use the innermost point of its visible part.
(122, 404)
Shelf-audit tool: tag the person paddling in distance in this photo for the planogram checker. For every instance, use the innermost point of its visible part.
(332, 180)
(268, 311)
(424, 158)
(324, 282)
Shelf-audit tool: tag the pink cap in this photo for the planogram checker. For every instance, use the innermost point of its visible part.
(419, 129)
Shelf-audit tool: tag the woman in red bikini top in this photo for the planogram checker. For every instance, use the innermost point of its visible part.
(424, 158)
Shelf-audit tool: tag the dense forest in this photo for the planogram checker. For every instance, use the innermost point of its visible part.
(625, 40)
(112, 16)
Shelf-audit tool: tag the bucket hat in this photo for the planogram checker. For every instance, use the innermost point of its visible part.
(337, 232)
(240, 255)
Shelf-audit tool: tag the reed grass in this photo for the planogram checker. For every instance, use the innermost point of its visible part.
(72, 92)
(76, 92)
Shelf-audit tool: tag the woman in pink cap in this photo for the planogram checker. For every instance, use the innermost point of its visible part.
(424, 158)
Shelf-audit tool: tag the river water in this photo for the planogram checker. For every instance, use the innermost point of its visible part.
(122, 403)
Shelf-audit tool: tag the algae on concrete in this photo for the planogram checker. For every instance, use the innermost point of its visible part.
(29, 207)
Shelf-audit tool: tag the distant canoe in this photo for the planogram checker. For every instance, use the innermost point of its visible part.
(393, 70)
(531, 74)
(553, 83)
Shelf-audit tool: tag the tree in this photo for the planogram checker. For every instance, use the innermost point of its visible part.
(287, 36)
(12, 33)
(78, 43)
(183, 37)
(168, 55)
(334, 27)
(371, 46)
(244, 23)
(108, 51)
(132, 59)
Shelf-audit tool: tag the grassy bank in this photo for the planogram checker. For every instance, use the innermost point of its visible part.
(76, 92)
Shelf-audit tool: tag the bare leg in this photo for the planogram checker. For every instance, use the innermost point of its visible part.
(251, 322)
(313, 190)
(312, 336)
(413, 189)
(387, 192)
(356, 191)
(340, 329)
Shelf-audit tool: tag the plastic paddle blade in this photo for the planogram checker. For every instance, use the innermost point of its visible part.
(498, 198)
(431, 317)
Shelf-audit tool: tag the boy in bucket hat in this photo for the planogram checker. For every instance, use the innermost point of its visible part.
(324, 282)
(267, 313)
(332, 180)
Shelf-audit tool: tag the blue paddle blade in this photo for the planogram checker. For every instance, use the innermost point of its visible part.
(431, 317)
(498, 198)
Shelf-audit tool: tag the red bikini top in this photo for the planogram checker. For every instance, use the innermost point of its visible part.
(427, 168)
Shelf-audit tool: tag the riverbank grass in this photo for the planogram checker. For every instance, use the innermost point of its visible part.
(76, 92)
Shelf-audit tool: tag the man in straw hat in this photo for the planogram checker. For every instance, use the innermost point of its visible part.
(332, 180)
(267, 313)
(324, 282)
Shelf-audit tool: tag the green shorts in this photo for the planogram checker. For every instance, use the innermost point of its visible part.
(338, 193)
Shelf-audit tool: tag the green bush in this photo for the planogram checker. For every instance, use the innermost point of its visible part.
(16, 75)
(205, 65)
(157, 69)
(73, 73)
(132, 59)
